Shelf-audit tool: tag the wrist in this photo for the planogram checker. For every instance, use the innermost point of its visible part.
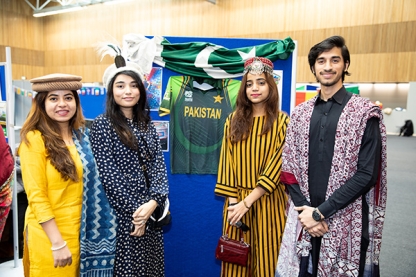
(53, 248)
(246, 204)
(316, 215)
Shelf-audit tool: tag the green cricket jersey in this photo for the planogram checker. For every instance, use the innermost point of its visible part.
(197, 117)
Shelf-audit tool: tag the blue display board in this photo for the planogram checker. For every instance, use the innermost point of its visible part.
(191, 239)
(3, 82)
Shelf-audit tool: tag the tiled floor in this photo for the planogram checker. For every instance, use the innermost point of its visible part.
(8, 269)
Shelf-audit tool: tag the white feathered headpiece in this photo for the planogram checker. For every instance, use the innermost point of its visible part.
(120, 63)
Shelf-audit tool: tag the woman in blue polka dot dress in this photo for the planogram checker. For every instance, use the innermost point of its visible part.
(118, 137)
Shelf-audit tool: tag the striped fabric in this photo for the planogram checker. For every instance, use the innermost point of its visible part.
(243, 166)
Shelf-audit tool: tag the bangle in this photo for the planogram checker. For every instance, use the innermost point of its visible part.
(245, 204)
(58, 248)
(232, 204)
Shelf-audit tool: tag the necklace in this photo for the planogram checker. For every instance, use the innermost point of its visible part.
(69, 142)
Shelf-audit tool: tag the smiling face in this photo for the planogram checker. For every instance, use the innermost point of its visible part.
(60, 105)
(329, 67)
(257, 89)
(126, 93)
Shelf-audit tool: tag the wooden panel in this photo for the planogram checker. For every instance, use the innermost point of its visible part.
(26, 71)
(381, 34)
(18, 28)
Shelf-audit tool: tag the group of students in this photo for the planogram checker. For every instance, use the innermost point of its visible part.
(312, 188)
(89, 202)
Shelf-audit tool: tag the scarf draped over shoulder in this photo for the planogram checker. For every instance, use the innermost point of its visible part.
(340, 248)
(98, 221)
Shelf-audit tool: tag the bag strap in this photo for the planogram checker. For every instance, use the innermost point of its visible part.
(141, 161)
(227, 234)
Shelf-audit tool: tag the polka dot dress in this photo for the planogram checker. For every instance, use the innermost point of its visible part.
(125, 186)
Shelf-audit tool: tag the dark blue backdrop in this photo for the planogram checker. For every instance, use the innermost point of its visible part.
(3, 82)
(191, 239)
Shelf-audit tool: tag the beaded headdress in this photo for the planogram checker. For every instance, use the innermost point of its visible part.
(258, 65)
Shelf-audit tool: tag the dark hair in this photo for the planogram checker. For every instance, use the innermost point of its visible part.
(56, 149)
(242, 119)
(141, 112)
(326, 45)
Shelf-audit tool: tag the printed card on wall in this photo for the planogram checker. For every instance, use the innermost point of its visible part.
(278, 77)
(3, 112)
(162, 128)
(153, 85)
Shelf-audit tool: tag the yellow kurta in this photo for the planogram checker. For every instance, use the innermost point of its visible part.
(49, 197)
(243, 166)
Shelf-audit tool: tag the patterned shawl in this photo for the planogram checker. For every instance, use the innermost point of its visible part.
(340, 249)
(98, 221)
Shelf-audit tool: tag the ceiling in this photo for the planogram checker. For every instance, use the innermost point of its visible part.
(51, 7)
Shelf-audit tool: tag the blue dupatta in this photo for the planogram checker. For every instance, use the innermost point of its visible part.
(98, 221)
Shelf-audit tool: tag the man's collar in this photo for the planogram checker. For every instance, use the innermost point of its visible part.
(338, 97)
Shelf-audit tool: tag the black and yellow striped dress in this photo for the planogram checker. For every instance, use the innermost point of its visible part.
(244, 165)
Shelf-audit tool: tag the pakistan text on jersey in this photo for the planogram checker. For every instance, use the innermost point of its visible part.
(202, 112)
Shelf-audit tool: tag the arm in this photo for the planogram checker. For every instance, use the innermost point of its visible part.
(269, 179)
(359, 184)
(114, 183)
(237, 211)
(158, 189)
(296, 195)
(364, 178)
(225, 185)
(61, 254)
(157, 171)
(33, 165)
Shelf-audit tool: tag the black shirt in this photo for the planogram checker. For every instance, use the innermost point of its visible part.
(323, 127)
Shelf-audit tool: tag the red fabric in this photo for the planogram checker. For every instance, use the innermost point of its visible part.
(7, 163)
(288, 178)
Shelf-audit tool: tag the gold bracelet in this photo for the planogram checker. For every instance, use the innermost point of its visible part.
(245, 204)
(58, 248)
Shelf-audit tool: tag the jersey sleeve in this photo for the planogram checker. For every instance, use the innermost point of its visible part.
(165, 106)
(233, 87)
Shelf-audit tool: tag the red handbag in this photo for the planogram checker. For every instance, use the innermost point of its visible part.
(232, 251)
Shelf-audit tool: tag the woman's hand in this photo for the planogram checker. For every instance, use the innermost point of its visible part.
(140, 217)
(236, 212)
(138, 229)
(62, 257)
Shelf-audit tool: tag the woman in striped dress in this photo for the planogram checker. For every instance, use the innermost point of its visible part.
(249, 170)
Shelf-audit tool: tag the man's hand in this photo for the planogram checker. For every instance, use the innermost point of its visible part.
(319, 230)
(305, 217)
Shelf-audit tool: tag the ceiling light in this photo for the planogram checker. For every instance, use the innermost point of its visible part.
(112, 2)
(57, 10)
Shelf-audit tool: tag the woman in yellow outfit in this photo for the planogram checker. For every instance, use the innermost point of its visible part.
(57, 166)
(249, 170)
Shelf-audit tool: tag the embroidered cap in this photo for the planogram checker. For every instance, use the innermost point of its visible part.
(56, 81)
(258, 65)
